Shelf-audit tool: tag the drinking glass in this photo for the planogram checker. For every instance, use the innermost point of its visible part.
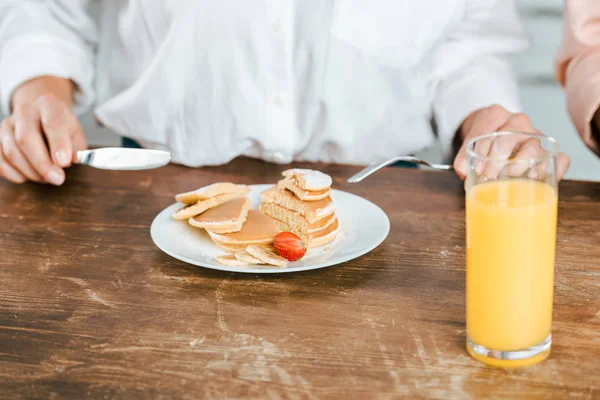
(511, 209)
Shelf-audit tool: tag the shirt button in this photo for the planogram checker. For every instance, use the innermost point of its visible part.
(276, 26)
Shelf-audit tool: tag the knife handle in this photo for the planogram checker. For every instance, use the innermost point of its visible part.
(84, 157)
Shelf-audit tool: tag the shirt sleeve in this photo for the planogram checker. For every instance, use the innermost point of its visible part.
(46, 37)
(577, 64)
(472, 69)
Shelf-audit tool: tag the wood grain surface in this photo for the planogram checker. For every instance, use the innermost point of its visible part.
(90, 308)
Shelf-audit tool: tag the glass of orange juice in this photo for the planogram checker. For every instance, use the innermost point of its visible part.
(511, 208)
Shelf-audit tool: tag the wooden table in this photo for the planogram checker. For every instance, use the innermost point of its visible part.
(89, 307)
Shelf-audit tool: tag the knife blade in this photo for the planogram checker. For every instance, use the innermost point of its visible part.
(123, 159)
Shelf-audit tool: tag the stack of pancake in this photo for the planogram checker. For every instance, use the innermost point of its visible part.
(301, 203)
(224, 211)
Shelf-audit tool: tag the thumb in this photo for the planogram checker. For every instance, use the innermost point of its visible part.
(460, 162)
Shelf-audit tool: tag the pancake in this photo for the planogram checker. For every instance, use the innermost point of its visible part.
(313, 211)
(229, 259)
(267, 255)
(199, 207)
(325, 236)
(309, 179)
(318, 238)
(294, 220)
(225, 218)
(231, 248)
(258, 229)
(293, 186)
(245, 257)
(209, 191)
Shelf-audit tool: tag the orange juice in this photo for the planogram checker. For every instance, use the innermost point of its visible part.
(511, 238)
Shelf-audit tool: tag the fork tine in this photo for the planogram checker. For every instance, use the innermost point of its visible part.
(371, 168)
(377, 165)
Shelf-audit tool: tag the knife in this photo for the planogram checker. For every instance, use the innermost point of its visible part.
(123, 159)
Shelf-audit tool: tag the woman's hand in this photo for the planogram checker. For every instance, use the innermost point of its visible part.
(42, 135)
(495, 119)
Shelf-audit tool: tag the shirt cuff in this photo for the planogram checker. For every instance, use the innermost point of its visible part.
(583, 94)
(485, 82)
(24, 59)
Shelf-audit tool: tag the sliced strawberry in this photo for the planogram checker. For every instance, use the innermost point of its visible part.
(289, 246)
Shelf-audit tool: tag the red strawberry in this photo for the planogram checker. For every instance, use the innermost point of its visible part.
(289, 246)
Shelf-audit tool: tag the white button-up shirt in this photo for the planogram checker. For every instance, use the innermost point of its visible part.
(345, 81)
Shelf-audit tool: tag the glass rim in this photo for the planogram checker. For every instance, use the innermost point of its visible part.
(551, 153)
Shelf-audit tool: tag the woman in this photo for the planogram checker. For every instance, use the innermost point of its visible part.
(342, 81)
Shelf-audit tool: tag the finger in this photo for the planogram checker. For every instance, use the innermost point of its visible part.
(482, 149)
(499, 151)
(57, 125)
(30, 141)
(6, 170)
(541, 169)
(562, 165)
(528, 160)
(486, 121)
(13, 155)
(504, 146)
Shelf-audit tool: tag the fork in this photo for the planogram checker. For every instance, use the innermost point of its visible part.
(380, 164)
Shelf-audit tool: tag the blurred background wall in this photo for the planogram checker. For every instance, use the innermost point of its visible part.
(542, 97)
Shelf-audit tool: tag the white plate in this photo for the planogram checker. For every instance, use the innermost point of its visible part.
(363, 227)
